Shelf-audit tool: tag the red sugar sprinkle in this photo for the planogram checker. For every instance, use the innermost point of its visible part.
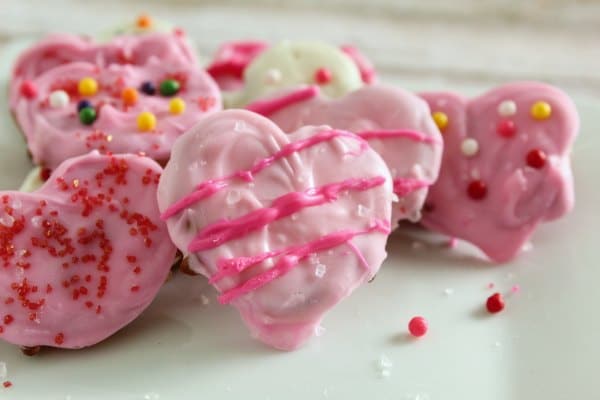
(8, 319)
(495, 303)
(7, 384)
(418, 326)
(135, 288)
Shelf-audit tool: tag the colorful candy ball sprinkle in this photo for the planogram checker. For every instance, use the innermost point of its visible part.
(441, 119)
(495, 303)
(177, 106)
(58, 99)
(477, 190)
(129, 96)
(536, 159)
(87, 115)
(169, 87)
(322, 76)
(418, 326)
(143, 21)
(507, 108)
(146, 121)
(28, 90)
(541, 110)
(83, 104)
(87, 86)
(506, 128)
(148, 88)
(469, 147)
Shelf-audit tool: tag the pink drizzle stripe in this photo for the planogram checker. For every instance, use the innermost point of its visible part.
(404, 186)
(290, 257)
(216, 234)
(268, 107)
(387, 134)
(208, 188)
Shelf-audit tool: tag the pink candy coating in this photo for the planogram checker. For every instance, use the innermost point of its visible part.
(84, 255)
(59, 62)
(285, 226)
(396, 124)
(517, 197)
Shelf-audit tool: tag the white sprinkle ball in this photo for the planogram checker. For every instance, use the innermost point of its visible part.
(507, 108)
(469, 147)
(58, 99)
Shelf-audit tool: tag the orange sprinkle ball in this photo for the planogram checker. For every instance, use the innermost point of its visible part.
(144, 21)
(129, 96)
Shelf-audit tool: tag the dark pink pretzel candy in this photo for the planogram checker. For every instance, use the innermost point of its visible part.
(285, 226)
(506, 165)
(84, 255)
(232, 58)
(45, 96)
(396, 123)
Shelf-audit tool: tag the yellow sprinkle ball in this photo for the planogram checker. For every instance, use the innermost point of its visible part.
(440, 119)
(541, 110)
(87, 86)
(177, 106)
(146, 121)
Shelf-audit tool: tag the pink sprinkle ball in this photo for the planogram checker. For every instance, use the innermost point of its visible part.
(418, 326)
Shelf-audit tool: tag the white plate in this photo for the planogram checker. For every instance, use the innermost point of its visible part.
(543, 346)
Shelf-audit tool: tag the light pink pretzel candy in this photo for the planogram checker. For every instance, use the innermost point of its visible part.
(54, 130)
(84, 255)
(228, 65)
(506, 165)
(397, 124)
(285, 226)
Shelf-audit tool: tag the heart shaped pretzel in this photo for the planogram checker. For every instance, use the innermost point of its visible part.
(229, 63)
(506, 165)
(288, 64)
(84, 255)
(119, 97)
(397, 124)
(285, 226)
